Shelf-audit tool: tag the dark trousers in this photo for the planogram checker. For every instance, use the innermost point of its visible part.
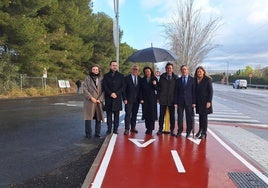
(131, 110)
(189, 119)
(149, 124)
(110, 119)
(203, 123)
(171, 116)
(88, 128)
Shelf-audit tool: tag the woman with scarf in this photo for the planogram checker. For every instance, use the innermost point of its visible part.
(93, 101)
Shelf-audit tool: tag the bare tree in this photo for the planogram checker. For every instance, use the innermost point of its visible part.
(190, 37)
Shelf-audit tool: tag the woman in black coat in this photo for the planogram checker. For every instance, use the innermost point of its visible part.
(204, 94)
(148, 97)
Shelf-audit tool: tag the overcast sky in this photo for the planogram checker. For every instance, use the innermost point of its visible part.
(242, 39)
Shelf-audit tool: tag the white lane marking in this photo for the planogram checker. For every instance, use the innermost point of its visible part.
(230, 116)
(137, 142)
(105, 162)
(240, 158)
(254, 125)
(71, 105)
(227, 113)
(59, 103)
(177, 161)
(233, 120)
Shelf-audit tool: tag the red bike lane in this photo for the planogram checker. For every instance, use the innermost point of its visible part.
(140, 160)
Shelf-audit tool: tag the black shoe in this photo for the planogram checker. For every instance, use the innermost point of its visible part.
(187, 135)
(88, 136)
(198, 133)
(108, 132)
(126, 132)
(134, 131)
(159, 132)
(115, 132)
(172, 134)
(178, 135)
(202, 136)
(97, 136)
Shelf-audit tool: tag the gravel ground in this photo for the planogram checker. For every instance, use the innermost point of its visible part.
(70, 175)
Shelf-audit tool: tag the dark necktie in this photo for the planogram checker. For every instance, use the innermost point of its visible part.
(135, 80)
(184, 81)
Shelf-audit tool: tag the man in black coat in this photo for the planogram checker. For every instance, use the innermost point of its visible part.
(185, 100)
(166, 89)
(113, 87)
(131, 99)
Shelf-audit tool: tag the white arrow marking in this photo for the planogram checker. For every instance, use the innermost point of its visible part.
(137, 142)
(196, 141)
(177, 161)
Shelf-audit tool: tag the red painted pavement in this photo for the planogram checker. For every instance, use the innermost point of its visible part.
(206, 164)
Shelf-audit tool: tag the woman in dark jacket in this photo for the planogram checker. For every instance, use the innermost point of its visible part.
(148, 96)
(204, 94)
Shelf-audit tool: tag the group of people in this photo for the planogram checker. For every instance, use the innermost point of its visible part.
(185, 93)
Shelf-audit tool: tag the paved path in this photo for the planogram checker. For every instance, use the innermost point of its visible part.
(231, 156)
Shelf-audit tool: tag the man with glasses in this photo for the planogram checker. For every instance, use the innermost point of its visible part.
(131, 100)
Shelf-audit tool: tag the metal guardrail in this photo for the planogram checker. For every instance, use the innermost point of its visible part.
(258, 86)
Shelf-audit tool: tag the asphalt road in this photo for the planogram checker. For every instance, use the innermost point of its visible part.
(44, 135)
(250, 102)
(39, 135)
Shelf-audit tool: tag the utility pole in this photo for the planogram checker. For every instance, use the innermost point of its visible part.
(227, 73)
(116, 30)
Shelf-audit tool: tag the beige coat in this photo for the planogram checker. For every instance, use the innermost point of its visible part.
(90, 108)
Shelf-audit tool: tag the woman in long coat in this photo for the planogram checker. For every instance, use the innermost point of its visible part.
(93, 101)
(204, 94)
(148, 97)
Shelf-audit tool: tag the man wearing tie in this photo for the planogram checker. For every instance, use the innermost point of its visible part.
(185, 100)
(131, 100)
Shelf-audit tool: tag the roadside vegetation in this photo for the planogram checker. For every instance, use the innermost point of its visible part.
(253, 76)
(64, 38)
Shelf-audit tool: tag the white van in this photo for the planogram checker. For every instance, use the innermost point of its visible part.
(240, 84)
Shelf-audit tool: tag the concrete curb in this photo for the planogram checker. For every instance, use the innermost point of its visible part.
(92, 171)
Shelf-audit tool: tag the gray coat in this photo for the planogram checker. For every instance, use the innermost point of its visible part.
(91, 90)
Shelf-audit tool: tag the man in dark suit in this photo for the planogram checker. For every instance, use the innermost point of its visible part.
(185, 100)
(113, 87)
(131, 100)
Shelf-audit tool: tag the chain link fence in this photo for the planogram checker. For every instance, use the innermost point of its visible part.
(37, 82)
(22, 85)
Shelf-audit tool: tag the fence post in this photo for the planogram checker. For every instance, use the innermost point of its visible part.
(20, 82)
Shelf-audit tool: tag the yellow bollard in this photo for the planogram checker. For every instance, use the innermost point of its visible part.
(166, 122)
